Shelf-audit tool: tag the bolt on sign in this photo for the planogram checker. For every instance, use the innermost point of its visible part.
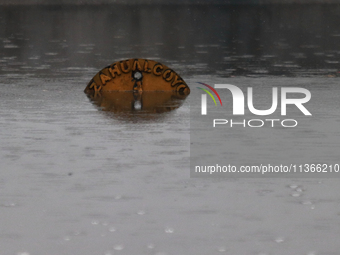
(137, 75)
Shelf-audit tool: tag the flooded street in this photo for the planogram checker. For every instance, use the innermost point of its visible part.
(80, 178)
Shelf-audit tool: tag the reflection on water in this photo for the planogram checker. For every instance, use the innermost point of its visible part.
(224, 40)
(129, 105)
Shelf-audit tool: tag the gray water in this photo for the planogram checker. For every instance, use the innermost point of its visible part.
(79, 179)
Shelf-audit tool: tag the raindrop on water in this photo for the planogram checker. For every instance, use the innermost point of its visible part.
(151, 246)
(8, 204)
(169, 230)
(76, 233)
(118, 247)
(279, 240)
(311, 253)
(112, 229)
(94, 222)
(295, 194)
(222, 249)
(141, 212)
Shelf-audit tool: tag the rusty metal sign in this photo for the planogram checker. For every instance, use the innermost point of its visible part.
(137, 75)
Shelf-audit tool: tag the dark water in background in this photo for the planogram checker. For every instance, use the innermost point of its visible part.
(225, 40)
(78, 180)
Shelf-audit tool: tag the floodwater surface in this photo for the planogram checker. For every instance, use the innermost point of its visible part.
(78, 177)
